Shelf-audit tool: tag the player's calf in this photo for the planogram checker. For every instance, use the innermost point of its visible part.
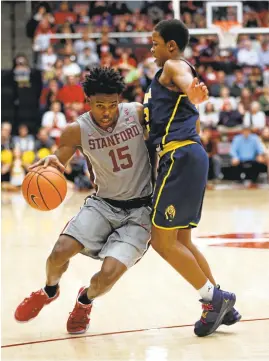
(101, 283)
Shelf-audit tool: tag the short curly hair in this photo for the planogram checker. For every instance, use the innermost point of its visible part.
(103, 80)
(174, 29)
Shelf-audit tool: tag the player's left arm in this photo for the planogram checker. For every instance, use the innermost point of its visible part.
(141, 117)
(180, 74)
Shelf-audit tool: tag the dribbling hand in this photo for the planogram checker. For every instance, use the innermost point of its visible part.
(197, 92)
(50, 160)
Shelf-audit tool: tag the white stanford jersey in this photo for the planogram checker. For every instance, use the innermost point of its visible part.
(119, 158)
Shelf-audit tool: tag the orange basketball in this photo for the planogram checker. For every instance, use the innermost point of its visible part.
(44, 188)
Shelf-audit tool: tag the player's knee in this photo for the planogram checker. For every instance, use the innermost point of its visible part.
(61, 252)
(106, 280)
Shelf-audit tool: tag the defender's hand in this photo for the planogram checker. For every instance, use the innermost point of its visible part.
(50, 160)
(197, 92)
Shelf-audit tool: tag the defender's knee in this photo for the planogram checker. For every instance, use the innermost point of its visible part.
(162, 241)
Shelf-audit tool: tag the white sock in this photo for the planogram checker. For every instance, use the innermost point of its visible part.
(206, 292)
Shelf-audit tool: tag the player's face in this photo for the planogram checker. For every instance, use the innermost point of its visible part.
(104, 108)
(159, 49)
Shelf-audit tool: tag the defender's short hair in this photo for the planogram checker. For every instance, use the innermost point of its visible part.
(174, 30)
(103, 81)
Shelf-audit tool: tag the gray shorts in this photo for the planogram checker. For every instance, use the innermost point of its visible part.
(106, 231)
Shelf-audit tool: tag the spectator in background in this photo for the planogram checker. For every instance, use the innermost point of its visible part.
(209, 74)
(83, 18)
(27, 89)
(43, 140)
(252, 20)
(42, 10)
(238, 84)
(218, 85)
(24, 141)
(42, 35)
(264, 101)
(67, 50)
(264, 54)
(85, 42)
(255, 80)
(224, 96)
(54, 121)
(247, 154)
(65, 14)
(210, 117)
(229, 117)
(72, 92)
(58, 72)
(49, 95)
(70, 67)
(211, 149)
(119, 8)
(255, 118)
(87, 58)
(105, 46)
(246, 98)
(77, 172)
(149, 68)
(6, 139)
(48, 59)
(246, 55)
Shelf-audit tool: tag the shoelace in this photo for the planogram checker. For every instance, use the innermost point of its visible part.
(81, 313)
(28, 298)
(207, 307)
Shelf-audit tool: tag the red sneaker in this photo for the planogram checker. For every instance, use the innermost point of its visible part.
(31, 306)
(79, 319)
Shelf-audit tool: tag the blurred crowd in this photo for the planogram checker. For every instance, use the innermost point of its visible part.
(49, 95)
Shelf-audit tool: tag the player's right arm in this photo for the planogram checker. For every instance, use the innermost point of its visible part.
(69, 141)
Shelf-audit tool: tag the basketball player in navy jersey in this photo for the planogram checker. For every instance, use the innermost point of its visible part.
(114, 224)
(172, 120)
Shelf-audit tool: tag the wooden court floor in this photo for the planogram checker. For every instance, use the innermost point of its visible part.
(148, 315)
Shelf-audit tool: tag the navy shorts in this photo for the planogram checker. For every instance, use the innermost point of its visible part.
(180, 187)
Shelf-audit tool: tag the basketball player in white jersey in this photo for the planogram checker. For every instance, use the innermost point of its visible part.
(114, 224)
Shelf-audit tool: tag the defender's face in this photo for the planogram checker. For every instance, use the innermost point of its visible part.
(104, 108)
(159, 49)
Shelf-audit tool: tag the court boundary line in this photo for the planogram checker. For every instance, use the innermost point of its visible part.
(114, 333)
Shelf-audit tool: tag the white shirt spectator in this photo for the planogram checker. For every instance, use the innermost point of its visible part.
(88, 58)
(218, 102)
(41, 42)
(24, 143)
(248, 57)
(257, 120)
(209, 119)
(264, 55)
(55, 121)
(47, 61)
(80, 45)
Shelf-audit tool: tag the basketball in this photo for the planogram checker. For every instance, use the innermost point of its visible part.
(44, 188)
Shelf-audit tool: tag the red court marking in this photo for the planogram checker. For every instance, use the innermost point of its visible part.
(114, 333)
(239, 235)
(260, 245)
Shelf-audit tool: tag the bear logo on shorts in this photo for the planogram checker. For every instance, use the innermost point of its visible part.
(170, 213)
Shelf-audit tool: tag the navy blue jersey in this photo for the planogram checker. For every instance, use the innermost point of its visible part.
(169, 115)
